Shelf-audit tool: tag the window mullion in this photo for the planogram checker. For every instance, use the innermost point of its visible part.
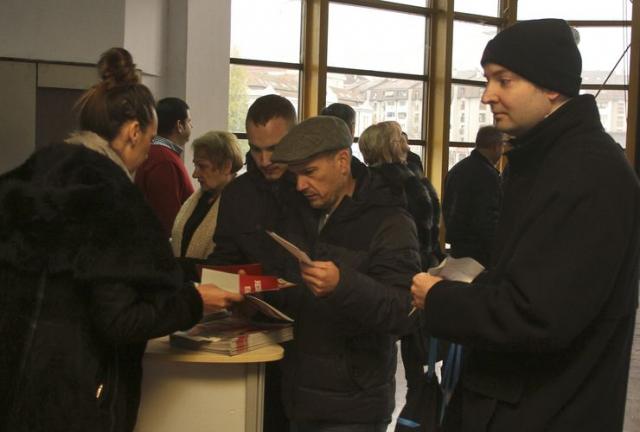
(314, 79)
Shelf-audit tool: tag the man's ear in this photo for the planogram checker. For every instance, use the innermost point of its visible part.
(179, 126)
(344, 160)
(554, 97)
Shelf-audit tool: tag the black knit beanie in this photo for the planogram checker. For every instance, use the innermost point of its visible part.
(541, 51)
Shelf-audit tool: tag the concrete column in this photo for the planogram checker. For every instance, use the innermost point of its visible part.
(198, 62)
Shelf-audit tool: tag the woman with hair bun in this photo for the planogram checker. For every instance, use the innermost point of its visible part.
(86, 274)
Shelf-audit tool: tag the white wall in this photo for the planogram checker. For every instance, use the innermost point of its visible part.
(60, 30)
(182, 47)
(208, 62)
(17, 113)
(145, 23)
(176, 38)
(198, 62)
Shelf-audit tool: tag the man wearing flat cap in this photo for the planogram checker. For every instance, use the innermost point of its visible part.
(548, 330)
(352, 303)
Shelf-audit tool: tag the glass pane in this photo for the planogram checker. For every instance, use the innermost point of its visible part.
(469, 41)
(456, 154)
(612, 105)
(574, 9)
(355, 150)
(419, 150)
(381, 40)
(266, 29)
(248, 83)
(478, 7)
(377, 99)
(468, 114)
(601, 47)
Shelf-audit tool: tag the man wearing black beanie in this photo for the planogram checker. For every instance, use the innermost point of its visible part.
(548, 329)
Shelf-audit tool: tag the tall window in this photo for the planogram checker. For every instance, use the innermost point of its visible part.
(379, 57)
(604, 35)
(475, 23)
(378, 66)
(265, 55)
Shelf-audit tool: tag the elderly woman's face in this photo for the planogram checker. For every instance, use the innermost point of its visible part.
(208, 175)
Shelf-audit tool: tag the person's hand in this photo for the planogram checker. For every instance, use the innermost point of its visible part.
(322, 277)
(422, 283)
(215, 298)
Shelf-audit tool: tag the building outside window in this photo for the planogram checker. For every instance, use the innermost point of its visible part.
(264, 60)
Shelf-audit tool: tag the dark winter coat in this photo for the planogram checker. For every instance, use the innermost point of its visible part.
(341, 365)
(86, 278)
(471, 205)
(548, 332)
(423, 206)
(249, 205)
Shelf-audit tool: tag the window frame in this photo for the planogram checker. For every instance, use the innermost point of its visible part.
(437, 79)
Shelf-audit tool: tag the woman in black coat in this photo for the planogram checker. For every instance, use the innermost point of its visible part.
(86, 275)
(385, 150)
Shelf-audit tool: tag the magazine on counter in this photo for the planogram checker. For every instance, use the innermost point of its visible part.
(232, 335)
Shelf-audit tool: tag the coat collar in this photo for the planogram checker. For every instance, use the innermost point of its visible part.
(99, 145)
(578, 114)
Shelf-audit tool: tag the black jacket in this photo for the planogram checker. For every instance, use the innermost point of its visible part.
(341, 365)
(470, 205)
(249, 205)
(548, 332)
(86, 278)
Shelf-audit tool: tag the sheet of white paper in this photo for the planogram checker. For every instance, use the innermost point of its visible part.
(293, 249)
(227, 281)
(457, 269)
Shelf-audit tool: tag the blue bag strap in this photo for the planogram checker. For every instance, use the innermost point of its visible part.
(451, 376)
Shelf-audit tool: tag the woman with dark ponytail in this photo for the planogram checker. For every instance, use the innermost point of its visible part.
(86, 273)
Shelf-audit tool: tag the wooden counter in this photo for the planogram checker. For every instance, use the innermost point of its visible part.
(200, 391)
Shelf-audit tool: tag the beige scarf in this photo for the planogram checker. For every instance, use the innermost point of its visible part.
(201, 244)
(98, 144)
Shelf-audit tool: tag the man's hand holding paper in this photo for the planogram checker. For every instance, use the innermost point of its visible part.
(455, 269)
(321, 277)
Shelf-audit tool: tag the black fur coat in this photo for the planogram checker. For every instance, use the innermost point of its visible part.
(86, 278)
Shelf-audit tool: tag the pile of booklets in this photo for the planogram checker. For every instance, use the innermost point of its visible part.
(232, 335)
(260, 325)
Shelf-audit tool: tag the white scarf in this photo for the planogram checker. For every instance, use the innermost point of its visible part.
(201, 244)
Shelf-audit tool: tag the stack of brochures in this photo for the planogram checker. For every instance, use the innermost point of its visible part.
(232, 335)
(261, 324)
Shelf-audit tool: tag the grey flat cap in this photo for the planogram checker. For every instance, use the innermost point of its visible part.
(311, 137)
